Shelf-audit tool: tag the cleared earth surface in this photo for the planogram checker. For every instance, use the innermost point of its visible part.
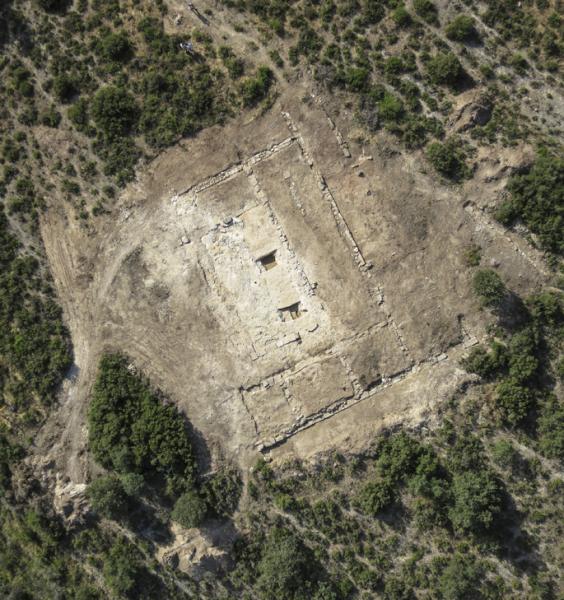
(290, 288)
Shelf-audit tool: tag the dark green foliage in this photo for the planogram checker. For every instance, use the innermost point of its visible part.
(537, 198)
(189, 510)
(287, 569)
(514, 400)
(65, 88)
(391, 108)
(376, 496)
(108, 497)
(78, 114)
(357, 79)
(551, 428)
(486, 364)
(477, 501)
(34, 343)
(132, 430)
(122, 568)
(373, 11)
(397, 457)
(461, 579)
(401, 16)
(223, 491)
(489, 287)
(115, 47)
(174, 106)
(449, 159)
(523, 363)
(9, 453)
(445, 69)
(426, 10)
(461, 29)
(255, 89)
(114, 111)
(54, 5)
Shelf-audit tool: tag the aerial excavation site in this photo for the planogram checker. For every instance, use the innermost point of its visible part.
(282, 298)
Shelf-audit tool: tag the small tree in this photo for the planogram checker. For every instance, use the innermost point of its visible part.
(376, 496)
(461, 29)
(448, 159)
(285, 570)
(477, 501)
(489, 287)
(115, 111)
(108, 497)
(514, 401)
(190, 510)
(445, 69)
(426, 10)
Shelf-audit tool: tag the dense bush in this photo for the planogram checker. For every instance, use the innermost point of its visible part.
(514, 400)
(34, 344)
(461, 29)
(189, 510)
(108, 497)
(477, 501)
(537, 198)
(426, 10)
(114, 111)
(489, 287)
(445, 69)
(122, 568)
(115, 47)
(551, 428)
(486, 364)
(255, 89)
(287, 569)
(132, 430)
(376, 496)
(222, 492)
(448, 159)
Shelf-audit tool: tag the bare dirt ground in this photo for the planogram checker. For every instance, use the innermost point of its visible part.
(272, 275)
(290, 287)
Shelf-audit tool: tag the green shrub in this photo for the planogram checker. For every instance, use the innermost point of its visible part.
(132, 430)
(461, 29)
(504, 454)
(426, 10)
(255, 89)
(122, 568)
(486, 364)
(114, 111)
(401, 17)
(449, 159)
(551, 428)
(287, 569)
(445, 69)
(391, 108)
(357, 79)
(375, 496)
(108, 497)
(537, 197)
(489, 287)
(222, 492)
(477, 501)
(78, 115)
(461, 579)
(523, 363)
(189, 510)
(115, 47)
(514, 401)
(373, 11)
(65, 88)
